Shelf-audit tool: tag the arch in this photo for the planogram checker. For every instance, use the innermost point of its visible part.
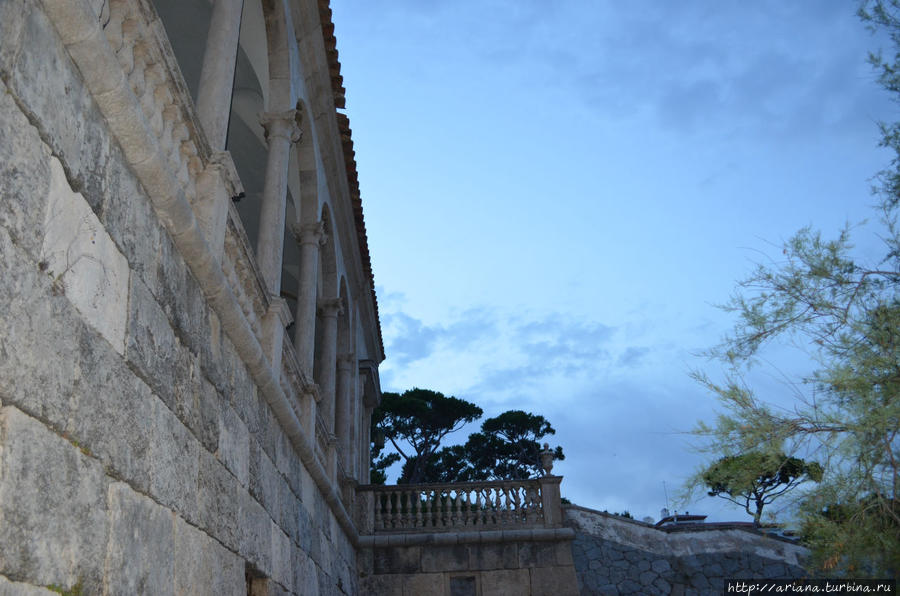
(253, 44)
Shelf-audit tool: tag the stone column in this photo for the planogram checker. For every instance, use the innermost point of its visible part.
(281, 132)
(342, 412)
(217, 72)
(310, 237)
(326, 363)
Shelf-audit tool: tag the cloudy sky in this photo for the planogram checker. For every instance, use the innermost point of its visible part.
(558, 193)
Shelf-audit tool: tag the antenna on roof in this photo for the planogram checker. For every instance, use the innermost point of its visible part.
(666, 492)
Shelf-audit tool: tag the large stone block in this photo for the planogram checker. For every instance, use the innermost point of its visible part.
(234, 445)
(129, 217)
(52, 506)
(140, 558)
(537, 554)
(304, 570)
(454, 557)
(203, 567)
(506, 582)
(287, 514)
(382, 585)
(197, 403)
(281, 556)
(37, 335)
(24, 159)
(255, 533)
(175, 463)
(559, 581)
(264, 479)
(405, 559)
(179, 295)
(13, 15)
(151, 346)
(432, 584)
(50, 88)
(83, 260)
(114, 412)
(493, 555)
(10, 588)
(220, 498)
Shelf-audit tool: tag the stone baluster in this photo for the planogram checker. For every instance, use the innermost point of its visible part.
(421, 503)
(377, 504)
(281, 131)
(310, 238)
(389, 510)
(466, 509)
(217, 72)
(500, 505)
(407, 509)
(517, 509)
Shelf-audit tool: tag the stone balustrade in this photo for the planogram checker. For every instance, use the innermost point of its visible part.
(463, 506)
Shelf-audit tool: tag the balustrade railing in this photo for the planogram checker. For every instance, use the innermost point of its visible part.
(511, 504)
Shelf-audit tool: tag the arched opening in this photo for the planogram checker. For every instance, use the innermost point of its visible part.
(187, 27)
(301, 214)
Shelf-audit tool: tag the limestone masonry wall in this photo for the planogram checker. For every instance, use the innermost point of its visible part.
(137, 455)
(613, 555)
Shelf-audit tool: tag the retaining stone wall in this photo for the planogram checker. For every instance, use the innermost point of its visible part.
(613, 555)
(510, 567)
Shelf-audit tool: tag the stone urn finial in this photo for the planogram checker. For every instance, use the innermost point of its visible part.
(547, 459)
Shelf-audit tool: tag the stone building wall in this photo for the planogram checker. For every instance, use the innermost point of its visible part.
(613, 555)
(512, 563)
(150, 440)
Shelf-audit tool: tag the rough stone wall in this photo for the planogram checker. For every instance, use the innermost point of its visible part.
(512, 567)
(617, 556)
(136, 456)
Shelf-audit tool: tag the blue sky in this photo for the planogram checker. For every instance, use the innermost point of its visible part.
(558, 193)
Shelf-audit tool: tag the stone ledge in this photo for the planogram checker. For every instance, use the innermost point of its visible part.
(449, 538)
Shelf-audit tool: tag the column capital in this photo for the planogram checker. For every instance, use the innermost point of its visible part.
(346, 361)
(282, 124)
(331, 307)
(313, 233)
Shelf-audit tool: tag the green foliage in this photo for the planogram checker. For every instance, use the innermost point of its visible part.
(754, 479)
(507, 448)
(418, 420)
(75, 590)
(846, 314)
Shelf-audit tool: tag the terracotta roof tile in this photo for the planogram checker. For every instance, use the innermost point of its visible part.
(337, 88)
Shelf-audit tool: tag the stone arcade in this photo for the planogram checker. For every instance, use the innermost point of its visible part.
(189, 335)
